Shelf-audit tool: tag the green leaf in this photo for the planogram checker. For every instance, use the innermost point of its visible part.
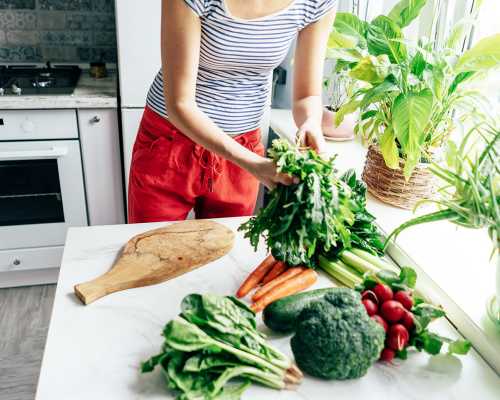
(459, 346)
(418, 64)
(350, 24)
(457, 35)
(344, 55)
(383, 38)
(371, 69)
(484, 55)
(461, 77)
(430, 342)
(345, 109)
(424, 314)
(337, 40)
(389, 149)
(411, 113)
(378, 93)
(404, 12)
(408, 277)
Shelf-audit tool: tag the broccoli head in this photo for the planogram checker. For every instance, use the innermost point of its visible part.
(335, 338)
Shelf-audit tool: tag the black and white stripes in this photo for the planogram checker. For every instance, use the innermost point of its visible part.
(237, 57)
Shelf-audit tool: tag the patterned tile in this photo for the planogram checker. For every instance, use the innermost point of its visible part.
(17, 4)
(66, 37)
(17, 20)
(107, 39)
(2, 38)
(104, 22)
(50, 20)
(70, 5)
(60, 53)
(19, 38)
(88, 54)
(20, 54)
(77, 21)
(104, 5)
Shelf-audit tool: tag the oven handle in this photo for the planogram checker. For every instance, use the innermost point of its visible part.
(54, 152)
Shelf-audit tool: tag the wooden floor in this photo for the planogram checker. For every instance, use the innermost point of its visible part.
(24, 320)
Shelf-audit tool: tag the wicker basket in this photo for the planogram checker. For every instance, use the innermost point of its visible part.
(389, 185)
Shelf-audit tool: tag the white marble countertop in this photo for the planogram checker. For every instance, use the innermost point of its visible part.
(89, 93)
(455, 260)
(94, 351)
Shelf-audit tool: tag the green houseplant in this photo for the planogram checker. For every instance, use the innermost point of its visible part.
(412, 93)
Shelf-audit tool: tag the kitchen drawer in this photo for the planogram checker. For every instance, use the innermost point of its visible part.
(32, 258)
(38, 124)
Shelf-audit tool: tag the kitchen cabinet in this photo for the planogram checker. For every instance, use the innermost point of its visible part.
(99, 138)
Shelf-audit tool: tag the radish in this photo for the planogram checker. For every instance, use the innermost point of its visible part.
(398, 337)
(392, 311)
(387, 355)
(368, 294)
(408, 321)
(381, 321)
(404, 298)
(370, 306)
(383, 292)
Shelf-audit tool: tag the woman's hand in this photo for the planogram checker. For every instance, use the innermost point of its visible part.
(265, 171)
(310, 134)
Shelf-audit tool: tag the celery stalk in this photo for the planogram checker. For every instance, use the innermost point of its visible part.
(374, 260)
(358, 263)
(340, 272)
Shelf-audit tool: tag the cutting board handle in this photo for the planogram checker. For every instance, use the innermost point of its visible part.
(90, 291)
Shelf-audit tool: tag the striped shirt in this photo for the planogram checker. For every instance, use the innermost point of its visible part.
(237, 57)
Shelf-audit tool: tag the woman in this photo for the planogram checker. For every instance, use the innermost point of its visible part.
(198, 145)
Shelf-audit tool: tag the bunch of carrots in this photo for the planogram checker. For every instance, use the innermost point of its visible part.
(273, 280)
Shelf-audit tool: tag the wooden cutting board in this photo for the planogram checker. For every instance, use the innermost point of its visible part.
(159, 255)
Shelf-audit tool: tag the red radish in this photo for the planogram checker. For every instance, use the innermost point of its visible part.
(383, 292)
(408, 321)
(368, 294)
(387, 355)
(371, 307)
(381, 321)
(398, 337)
(392, 311)
(404, 298)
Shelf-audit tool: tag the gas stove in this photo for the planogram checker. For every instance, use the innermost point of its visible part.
(32, 79)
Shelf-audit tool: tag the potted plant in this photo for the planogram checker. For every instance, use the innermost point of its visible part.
(339, 86)
(471, 194)
(411, 97)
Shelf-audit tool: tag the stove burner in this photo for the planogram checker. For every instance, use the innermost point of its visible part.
(29, 79)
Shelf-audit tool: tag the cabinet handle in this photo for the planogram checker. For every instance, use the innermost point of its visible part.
(95, 119)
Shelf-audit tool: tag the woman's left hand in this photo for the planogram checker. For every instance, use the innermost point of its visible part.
(310, 134)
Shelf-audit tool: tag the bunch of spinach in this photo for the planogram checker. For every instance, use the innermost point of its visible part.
(321, 213)
(214, 340)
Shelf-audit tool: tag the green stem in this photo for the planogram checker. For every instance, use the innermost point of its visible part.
(435, 216)
(340, 272)
(374, 260)
(358, 263)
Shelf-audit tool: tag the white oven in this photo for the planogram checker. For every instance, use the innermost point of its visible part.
(41, 187)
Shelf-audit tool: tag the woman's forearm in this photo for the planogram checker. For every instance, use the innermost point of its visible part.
(195, 124)
(307, 108)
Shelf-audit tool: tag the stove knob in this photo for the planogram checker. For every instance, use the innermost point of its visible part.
(16, 89)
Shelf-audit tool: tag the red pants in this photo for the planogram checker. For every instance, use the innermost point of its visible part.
(170, 175)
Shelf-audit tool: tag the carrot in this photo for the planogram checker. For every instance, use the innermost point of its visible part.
(291, 286)
(256, 276)
(277, 281)
(275, 271)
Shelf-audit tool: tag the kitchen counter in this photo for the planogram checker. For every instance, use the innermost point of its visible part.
(89, 93)
(453, 263)
(94, 351)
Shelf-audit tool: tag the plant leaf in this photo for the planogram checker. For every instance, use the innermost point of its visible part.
(350, 24)
(484, 55)
(404, 12)
(337, 40)
(381, 34)
(459, 346)
(389, 149)
(347, 108)
(371, 69)
(411, 113)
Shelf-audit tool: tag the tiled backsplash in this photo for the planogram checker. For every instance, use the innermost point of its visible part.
(77, 31)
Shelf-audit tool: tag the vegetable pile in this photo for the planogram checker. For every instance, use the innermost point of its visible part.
(321, 213)
(335, 338)
(214, 340)
(391, 300)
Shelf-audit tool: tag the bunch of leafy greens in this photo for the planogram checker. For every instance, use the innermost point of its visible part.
(421, 338)
(320, 213)
(470, 195)
(413, 92)
(214, 340)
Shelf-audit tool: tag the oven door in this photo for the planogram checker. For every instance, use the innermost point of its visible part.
(41, 192)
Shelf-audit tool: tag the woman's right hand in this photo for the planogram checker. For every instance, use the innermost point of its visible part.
(264, 169)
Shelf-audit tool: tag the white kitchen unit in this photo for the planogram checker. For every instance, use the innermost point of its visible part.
(131, 118)
(100, 143)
